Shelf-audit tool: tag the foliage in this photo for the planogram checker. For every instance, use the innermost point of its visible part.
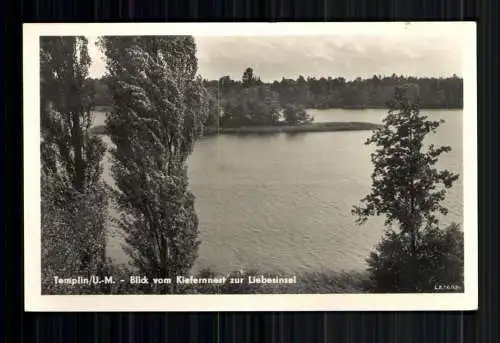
(254, 106)
(249, 79)
(408, 190)
(73, 198)
(296, 115)
(102, 96)
(374, 92)
(247, 104)
(159, 111)
(68, 149)
(214, 113)
(324, 92)
(439, 256)
(73, 239)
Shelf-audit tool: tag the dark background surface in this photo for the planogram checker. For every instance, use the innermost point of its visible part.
(481, 327)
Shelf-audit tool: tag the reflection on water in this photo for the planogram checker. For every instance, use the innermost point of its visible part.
(282, 202)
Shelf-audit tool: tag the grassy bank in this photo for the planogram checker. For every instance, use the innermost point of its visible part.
(303, 283)
(313, 127)
(384, 107)
(107, 108)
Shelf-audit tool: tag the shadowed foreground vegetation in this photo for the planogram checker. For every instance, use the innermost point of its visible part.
(306, 283)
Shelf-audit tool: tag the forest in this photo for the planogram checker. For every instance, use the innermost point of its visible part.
(331, 92)
(252, 102)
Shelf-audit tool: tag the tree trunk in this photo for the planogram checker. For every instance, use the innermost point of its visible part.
(77, 142)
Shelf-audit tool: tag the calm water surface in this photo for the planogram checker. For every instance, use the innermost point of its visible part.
(283, 202)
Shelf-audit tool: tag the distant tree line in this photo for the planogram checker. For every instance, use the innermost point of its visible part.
(250, 101)
(359, 93)
(368, 93)
(253, 102)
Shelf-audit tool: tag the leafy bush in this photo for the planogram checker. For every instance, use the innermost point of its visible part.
(296, 115)
(408, 190)
(438, 262)
(73, 235)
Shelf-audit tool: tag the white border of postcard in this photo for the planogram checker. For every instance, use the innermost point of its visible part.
(34, 301)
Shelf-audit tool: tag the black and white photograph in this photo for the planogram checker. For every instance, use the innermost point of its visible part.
(250, 166)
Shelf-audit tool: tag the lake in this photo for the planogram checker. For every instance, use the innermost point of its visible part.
(282, 202)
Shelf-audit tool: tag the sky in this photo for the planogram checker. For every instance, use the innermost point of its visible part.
(274, 57)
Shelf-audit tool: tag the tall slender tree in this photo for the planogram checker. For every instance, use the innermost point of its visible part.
(158, 113)
(408, 190)
(71, 161)
(248, 79)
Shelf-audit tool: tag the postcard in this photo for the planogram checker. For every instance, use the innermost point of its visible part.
(250, 166)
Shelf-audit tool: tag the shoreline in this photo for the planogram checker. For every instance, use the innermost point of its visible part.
(382, 107)
(103, 108)
(312, 127)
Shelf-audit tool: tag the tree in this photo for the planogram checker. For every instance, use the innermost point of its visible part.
(338, 93)
(102, 96)
(213, 118)
(159, 110)
(66, 112)
(408, 190)
(71, 161)
(260, 105)
(248, 78)
(271, 99)
(296, 115)
(302, 91)
(73, 235)
(251, 103)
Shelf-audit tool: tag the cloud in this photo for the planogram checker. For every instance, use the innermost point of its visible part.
(98, 66)
(349, 57)
(275, 57)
